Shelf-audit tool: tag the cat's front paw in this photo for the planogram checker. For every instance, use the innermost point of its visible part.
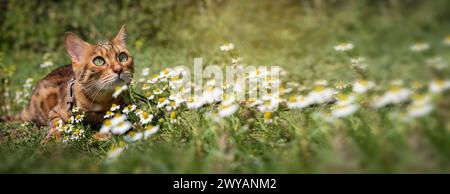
(52, 133)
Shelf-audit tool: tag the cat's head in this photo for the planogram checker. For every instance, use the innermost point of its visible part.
(104, 65)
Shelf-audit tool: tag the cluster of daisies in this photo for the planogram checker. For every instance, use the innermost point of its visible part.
(167, 92)
(73, 129)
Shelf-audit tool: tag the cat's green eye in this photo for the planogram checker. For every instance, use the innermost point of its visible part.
(123, 57)
(99, 61)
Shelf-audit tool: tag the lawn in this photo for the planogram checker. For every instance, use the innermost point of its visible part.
(396, 45)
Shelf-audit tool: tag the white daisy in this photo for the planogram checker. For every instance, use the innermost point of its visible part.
(419, 110)
(162, 102)
(149, 95)
(194, 103)
(211, 95)
(145, 71)
(362, 86)
(343, 99)
(145, 118)
(320, 95)
(46, 64)
(114, 107)
(121, 128)
(109, 124)
(268, 117)
(298, 102)
(343, 47)
(438, 86)
(119, 90)
(129, 108)
(227, 47)
(395, 95)
(269, 105)
(172, 105)
(340, 111)
(114, 153)
(150, 130)
(133, 136)
(420, 106)
(420, 46)
(157, 91)
(226, 110)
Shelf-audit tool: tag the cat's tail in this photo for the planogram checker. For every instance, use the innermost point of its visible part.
(15, 117)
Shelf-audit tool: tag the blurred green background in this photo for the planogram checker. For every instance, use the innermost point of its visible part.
(296, 34)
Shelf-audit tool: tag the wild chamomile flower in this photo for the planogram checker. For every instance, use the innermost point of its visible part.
(121, 128)
(75, 109)
(343, 99)
(154, 79)
(420, 46)
(341, 85)
(346, 46)
(268, 105)
(145, 71)
(298, 102)
(362, 86)
(114, 107)
(173, 117)
(28, 83)
(394, 95)
(173, 105)
(144, 117)
(115, 151)
(117, 125)
(157, 91)
(78, 118)
(339, 111)
(133, 136)
(149, 95)
(145, 86)
(227, 47)
(150, 130)
(211, 95)
(129, 108)
(177, 97)
(267, 116)
(446, 40)
(236, 60)
(119, 90)
(252, 102)
(194, 102)
(162, 102)
(321, 94)
(228, 107)
(438, 86)
(46, 64)
(420, 106)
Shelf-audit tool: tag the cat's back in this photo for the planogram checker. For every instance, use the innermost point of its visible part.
(47, 94)
(59, 76)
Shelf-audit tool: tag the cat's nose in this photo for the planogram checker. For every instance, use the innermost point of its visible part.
(118, 70)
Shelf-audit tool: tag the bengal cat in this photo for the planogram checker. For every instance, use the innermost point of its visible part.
(88, 83)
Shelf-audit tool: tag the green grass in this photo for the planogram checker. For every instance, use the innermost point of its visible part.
(301, 40)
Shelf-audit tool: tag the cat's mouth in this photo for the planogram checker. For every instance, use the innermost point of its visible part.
(112, 82)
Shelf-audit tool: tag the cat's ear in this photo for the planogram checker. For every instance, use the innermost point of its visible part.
(121, 36)
(76, 47)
